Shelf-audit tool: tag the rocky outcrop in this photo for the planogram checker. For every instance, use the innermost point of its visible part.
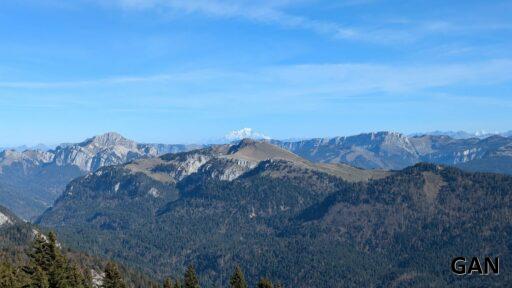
(230, 161)
(227, 169)
(104, 150)
(26, 159)
(391, 150)
(34, 178)
(96, 152)
(4, 220)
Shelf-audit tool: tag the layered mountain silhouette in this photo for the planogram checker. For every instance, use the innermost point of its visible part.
(31, 180)
(389, 150)
(279, 215)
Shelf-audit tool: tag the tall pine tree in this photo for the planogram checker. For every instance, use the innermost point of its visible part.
(264, 283)
(58, 273)
(168, 283)
(75, 278)
(38, 279)
(238, 279)
(40, 254)
(112, 277)
(190, 280)
(8, 276)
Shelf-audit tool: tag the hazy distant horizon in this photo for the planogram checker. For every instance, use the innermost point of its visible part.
(255, 134)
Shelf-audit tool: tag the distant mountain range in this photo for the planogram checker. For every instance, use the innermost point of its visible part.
(464, 134)
(391, 150)
(237, 135)
(309, 213)
(305, 224)
(32, 179)
(40, 147)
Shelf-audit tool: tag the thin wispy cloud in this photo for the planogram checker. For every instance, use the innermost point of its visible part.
(196, 75)
(345, 78)
(191, 67)
(274, 13)
(267, 12)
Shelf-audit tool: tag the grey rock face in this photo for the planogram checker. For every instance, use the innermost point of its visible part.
(172, 148)
(34, 179)
(464, 134)
(26, 159)
(227, 169)
(4, 220)
(389, 150)
(224, 162)
(386, 150)
(230, 161)
(104, 150)
(96, 152)
(7, 218)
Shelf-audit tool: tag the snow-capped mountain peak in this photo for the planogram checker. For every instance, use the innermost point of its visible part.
(244, 133)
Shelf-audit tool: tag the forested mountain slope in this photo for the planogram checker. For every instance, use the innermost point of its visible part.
(280, 216)
(17, 243)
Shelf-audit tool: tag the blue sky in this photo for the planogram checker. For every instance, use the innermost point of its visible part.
(185, 71)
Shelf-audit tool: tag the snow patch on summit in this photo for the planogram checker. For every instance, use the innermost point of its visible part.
(245, 133)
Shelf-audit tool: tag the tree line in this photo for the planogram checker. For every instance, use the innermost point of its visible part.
(237, 280)
(48, 267)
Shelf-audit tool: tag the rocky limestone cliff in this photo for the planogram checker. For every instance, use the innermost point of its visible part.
(4, 220)
(99, 151)
(230, 161)
(34, 179)
(107, 149)
(391, 150)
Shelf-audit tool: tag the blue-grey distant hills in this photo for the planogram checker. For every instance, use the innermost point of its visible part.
(464, 134)
(40, 147)
(393, 151)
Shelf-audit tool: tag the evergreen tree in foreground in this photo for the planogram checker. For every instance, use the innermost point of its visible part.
(112, 277)
(190, 280)
(59, 271)
(39, 279)
(168, 283)
(48, 267)
(264, 283)
(8, 276)
(238, 279)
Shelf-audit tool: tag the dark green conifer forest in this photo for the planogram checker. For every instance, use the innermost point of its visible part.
(47, 266)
